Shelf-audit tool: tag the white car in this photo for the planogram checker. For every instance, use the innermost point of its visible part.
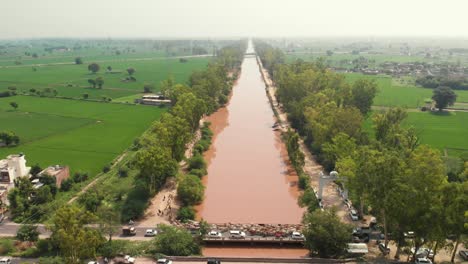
(129, 259)
(423, 252)
(214, 234)
(353, 214)
(5, 261)
(423, 261)
(150, 232)
(236, 234)
(164, 261)
(91, 262)
(297, 236)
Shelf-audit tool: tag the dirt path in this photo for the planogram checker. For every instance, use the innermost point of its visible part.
(164, 205)
(93, 182)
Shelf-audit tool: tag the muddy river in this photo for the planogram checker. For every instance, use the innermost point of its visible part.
(248, 178)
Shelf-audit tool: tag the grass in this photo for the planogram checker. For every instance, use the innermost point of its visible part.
(391, 94)
(443, 131)
(60, 77)
(83, 135)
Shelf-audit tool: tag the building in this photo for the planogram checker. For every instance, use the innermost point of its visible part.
(59, 172)
(12, 167)
(153, 99)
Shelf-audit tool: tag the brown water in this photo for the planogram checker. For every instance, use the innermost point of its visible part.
(248, 179)
(255, 252)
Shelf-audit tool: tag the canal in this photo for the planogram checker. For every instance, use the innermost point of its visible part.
(249, 180)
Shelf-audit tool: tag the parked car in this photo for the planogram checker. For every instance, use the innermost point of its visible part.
(91, 262)
(463, 254)
(423, 253)
(213, 261)
(385, 250)
(150, 232)
(5, 261)
(423, 261)
(214, 234)
(353, 215)
(164, 261)
(297, 236)
(130, 260)
(236, 234)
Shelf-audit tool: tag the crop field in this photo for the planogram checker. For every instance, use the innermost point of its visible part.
(82, 134)
(72, 80)
(408, 96)
(445, 131)
(441, 130)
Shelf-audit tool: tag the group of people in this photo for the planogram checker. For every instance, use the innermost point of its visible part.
(168, 208)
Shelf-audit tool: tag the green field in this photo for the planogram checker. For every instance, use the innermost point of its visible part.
(71, 80)
(441, 130)
(444, 131)
(84, 135)
(391, 94)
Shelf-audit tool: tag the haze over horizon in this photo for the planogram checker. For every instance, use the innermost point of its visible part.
(219, 18)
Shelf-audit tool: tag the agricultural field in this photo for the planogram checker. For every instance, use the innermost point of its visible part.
(392, 93)
(72, 80)
(82, 134)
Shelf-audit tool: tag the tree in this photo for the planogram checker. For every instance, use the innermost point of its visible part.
(93, 67)
(72, 236)
(131, 71)
(35, 169)
(109, 220)
(325, 234)
(175, 241)
(109, 68)
(99, 82)
(148, 88)
(27, 232)
(85, 96)
(9, 138)
(363, 92)
(14, 105)
(190, 190)
(444, 96)
(78, 60)
(92, 82)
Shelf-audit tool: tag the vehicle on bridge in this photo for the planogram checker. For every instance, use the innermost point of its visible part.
(297, 236)
(150, 233)
(236, 234)
(5, 261)
(214, 234)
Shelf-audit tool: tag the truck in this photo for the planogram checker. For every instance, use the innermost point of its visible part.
(128, 231)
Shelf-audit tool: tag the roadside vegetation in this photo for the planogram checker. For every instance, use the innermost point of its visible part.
(389, 174)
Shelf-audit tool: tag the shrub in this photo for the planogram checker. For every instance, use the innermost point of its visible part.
(106, 169)
(27, 233)
(190, 190)
(186, 213)
(197, 162)
(123, 171)
(66, 185)
(6, 246)
(198, 172)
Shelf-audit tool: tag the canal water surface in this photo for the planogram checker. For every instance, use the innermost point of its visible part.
(249, 180)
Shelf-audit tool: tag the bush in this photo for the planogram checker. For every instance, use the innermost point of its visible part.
(190, 190)
(197, 162)
(303, 181)
(106, 169)
(174, 241)
(6, 246)
(123, 171)
(27, 233)
(198, 172)
(186, 213)
(66, 185)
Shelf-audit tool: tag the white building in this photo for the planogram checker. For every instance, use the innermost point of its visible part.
(12, 167)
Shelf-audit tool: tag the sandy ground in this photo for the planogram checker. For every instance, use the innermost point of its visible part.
(164, 205)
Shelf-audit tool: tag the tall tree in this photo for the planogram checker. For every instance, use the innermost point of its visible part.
(325, 234)
(444, 96)
(94, 67)
(131, 71)
(70, 234)
(175, 241)
(14, 105)
(363, 92)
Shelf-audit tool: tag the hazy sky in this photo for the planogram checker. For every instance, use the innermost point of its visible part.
(222, 18)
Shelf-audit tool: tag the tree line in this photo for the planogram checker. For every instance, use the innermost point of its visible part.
(389, 174)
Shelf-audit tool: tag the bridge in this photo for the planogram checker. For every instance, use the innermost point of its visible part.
(255, 240)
